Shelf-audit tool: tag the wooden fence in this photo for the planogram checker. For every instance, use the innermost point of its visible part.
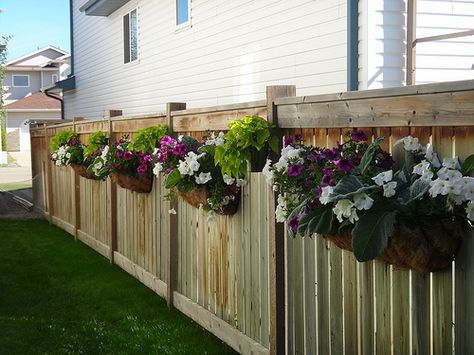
(241, 277)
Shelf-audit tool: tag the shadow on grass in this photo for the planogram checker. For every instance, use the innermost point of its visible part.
(60, 297)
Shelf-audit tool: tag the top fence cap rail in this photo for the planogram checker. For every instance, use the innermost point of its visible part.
(424, 89)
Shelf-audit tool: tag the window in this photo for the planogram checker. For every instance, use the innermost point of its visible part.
(182, 12)
(54, 78)
(130, 37)
(21, 80)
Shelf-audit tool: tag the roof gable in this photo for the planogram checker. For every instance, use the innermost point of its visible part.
(38, 57)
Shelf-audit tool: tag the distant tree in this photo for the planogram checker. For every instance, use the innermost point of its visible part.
(3, 56)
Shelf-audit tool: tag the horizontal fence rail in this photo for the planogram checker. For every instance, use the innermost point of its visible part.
(241, 277)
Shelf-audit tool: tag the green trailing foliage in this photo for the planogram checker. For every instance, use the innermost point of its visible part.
(248, 139)
(62, 138)
(147, 139)
(95, 141)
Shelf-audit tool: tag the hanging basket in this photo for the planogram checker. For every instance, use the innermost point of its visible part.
(199, 196)
(142, 183)
(422, 245)
(81, 170)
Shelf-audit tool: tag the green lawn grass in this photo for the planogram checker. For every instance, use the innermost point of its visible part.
(15, 186)
(57, 296)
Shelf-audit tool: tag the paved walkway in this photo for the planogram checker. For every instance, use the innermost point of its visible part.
(10, 174)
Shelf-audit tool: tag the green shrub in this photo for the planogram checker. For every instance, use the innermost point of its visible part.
(95, 141)
(62, 138)
(147, 139)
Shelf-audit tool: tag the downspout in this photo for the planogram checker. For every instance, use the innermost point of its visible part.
(71, 36)
(59, 98)
(352, 45)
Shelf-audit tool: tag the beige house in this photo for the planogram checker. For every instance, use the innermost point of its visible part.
(25, 81)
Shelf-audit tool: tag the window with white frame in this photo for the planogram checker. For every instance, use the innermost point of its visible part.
(130, 37)
(182, 12)
(21, 80)
(54, 78)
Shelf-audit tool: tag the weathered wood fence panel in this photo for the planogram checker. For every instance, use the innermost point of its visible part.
(223, 273)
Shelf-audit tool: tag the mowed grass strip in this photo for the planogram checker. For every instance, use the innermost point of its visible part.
(57, 296)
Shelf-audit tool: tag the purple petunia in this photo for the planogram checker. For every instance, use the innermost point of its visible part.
(142, 169)
(168, 170)
(119, 154)
(295, 170)
(358, 136)
(344, 165)
(293, 224)
(127, 155)
(180, 150)
(167, 140)
(73, 142)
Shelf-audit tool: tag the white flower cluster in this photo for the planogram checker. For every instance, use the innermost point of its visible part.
(215, 140)
(230, 180)
(280, 212)
(190, 164)
(99, 162)
(288, 153)
(61, 156)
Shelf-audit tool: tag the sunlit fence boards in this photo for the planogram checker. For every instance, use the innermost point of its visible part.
(225, 270)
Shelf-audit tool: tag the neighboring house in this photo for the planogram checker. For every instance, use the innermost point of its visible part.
(136, 55)
(24, 80)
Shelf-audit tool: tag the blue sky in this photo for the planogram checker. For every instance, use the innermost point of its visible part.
(34, 24)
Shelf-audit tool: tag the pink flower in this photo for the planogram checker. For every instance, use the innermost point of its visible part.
(127, 155)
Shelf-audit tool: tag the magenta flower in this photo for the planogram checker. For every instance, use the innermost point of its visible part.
(73, 142)
(167, 140)
(358, 136)
(295, 170)
(180, 150)
(142, 169)
(127, 155)
(293, 224)
(168, 170)
(344, 165)
(119, 154)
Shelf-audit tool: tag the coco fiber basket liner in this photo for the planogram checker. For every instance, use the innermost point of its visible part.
(81, 170)
(424, 245)
(199, 196)
(142, 183)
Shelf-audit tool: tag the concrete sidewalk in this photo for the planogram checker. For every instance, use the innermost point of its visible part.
(15, 174)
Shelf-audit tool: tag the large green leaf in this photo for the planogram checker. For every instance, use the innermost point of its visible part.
(468, 165)
(369, 155)
(173, 179)
(370, 235)
(321, 223)
(349, 186)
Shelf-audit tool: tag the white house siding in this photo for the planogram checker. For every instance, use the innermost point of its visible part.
(445, 60)
(382, 38)
(232, 51)
(382, 46)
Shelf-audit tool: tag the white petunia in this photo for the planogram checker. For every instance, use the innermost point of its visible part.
(202, 178)
(454, 175)
(353, 216)
(427, 176)
(290, 152)
(343, 209)
(431, 156)
(172, 211)
(280, 210)
(389, 189)
(267, 172)
(157, 169)
(385, 176)
(409, 143)
(105, 151)
(281, 165)
(451, 163)
(439, 187)
(363, 201)
(228, 180)
(54, 156)
(422, 167)
(470, 210)
(241, 182)
(326, 193)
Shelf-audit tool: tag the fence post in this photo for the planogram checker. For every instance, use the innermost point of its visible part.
(49, 171)
(77, 196)
(173, 220)
(276, 241)
(113, 205)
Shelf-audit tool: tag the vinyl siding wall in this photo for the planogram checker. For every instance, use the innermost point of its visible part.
(382, 46)
(445, 60)
(231, 52)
